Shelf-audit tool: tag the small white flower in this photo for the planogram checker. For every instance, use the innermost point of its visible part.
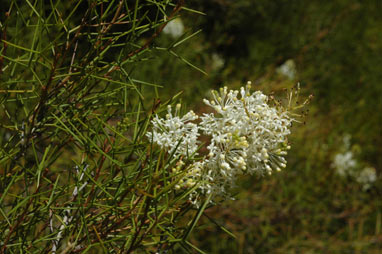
(174, 28)
(366, 177)
(288, 69)
(344, 163)
(217, 61)
(176, 134)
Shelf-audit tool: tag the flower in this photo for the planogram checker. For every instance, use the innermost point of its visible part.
(174, 133)
(251, 134)
(246, 135)
(366, 177)
(287, 69)
(174, 28)
(344, 163)
(217, 61)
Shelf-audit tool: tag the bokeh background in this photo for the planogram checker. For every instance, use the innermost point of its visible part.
(334, 50)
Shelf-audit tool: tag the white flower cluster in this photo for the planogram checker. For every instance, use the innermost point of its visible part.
(176, 134)
(367, 177)
(346, 165)
(246, 136)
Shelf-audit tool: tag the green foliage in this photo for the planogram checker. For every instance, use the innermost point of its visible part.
(78, 174)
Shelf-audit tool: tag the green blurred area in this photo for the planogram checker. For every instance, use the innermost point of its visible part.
(336, 48)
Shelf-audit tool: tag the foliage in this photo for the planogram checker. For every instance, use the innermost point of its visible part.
(78, 174)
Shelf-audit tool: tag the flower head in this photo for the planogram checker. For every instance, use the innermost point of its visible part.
(246, 135)
(348, 165)
(367, 177)
(251, 133)
(174, 133)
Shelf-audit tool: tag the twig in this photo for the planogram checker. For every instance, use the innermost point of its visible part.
(4, 35)
(176, 9)
(67, 218)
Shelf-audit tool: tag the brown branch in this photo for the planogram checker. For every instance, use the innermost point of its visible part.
(176, 9)
(107, 28)
(21, 218)
(119, 222)
(4, 38)
(106, 149)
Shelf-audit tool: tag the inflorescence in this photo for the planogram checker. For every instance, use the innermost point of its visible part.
(246, 135)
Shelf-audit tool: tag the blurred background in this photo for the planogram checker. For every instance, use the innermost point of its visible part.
(329, 198)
